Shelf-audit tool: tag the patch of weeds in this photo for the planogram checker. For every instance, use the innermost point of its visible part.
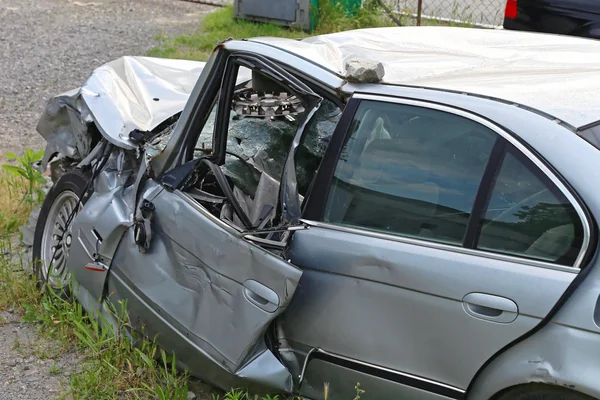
(19, 290)
(221, 25)
(31, 313)
(216, 27)
(333, 17)
(32, 176)
(14, 206)
(16, 343)
(54, 369)
(114, 366)
(237, 394)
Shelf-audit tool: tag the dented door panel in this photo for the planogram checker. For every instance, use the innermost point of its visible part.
(211, 285)
(101, 223)
(393, 299)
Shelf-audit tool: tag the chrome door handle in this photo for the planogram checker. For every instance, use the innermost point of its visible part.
(261, 296)
(490, 307)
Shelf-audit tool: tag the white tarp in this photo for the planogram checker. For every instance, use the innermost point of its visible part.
(559, 75)
(138, 93)
(126, 94)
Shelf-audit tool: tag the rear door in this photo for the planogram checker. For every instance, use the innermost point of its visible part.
(435, 240)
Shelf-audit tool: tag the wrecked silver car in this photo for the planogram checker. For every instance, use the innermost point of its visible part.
(409, 208)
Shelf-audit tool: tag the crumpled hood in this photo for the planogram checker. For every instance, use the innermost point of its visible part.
(126, 94)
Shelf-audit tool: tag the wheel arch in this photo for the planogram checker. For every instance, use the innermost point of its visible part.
(534, 387)
(557, 355)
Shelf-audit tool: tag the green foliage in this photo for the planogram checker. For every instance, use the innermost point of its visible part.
(333, 16)
(25, 170)
(13, 210)
(358, 391)
(221, 24)
(53, 369)
(216, 27)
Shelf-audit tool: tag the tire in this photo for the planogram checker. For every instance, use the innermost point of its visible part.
(538, 391)
(59, 203)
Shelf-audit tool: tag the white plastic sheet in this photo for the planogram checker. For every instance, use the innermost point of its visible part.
(558, 75)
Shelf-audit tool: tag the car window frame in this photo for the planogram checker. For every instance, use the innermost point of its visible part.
(316, 203)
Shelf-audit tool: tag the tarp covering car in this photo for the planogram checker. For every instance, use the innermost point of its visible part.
(493, 63)
(126, 94)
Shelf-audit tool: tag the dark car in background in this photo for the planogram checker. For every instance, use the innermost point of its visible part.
(566, 17)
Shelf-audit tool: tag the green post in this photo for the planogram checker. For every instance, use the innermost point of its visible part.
(314, 14)
(349, 5)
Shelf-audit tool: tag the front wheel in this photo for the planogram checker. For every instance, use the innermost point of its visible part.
(53, 236)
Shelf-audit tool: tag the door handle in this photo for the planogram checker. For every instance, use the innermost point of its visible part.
(261, 296)
(490, 307)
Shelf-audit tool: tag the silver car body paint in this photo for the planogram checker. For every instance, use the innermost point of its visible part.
(364, 307)
(64, 125)
(220, 299)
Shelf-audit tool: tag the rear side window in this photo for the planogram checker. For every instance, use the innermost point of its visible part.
(409, 171)
(528, 216)
(416, 172)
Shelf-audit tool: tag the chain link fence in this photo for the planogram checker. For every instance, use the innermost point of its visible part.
(483, 13)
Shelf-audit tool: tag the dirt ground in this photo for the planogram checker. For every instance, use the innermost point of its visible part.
(48, 47)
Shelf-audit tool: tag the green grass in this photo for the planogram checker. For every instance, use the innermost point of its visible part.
(216, 27)
(112, 366)
(221, 25)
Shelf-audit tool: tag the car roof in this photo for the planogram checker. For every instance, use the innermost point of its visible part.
(553, 74)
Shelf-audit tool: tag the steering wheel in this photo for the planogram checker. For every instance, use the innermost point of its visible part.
(224, 185)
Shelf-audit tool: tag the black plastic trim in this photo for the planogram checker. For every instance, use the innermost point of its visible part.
(484, 192)
(402, 379)
(201, 111)
(223, 110)
(315, 202)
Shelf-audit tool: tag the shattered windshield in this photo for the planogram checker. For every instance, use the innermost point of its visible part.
(266, 143)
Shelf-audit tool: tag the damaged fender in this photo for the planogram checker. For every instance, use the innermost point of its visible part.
(121, 96)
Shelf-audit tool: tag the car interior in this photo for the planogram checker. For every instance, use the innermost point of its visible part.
(264, 118)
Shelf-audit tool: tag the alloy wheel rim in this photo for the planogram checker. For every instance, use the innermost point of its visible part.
(57, 239)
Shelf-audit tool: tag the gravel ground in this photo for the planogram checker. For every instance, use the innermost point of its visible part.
(30, 368)
(48, 47)
(51, 46)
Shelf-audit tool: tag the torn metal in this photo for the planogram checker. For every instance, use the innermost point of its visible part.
(121, 96)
